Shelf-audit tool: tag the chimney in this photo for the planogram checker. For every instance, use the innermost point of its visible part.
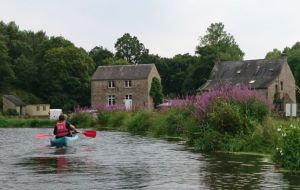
(284, 56)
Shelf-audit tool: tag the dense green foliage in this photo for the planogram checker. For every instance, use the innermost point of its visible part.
(218, 45)
(275, 54)
(66, 77)
(100, 55)
(130, 49)
(156, 92)
(40, 69)
(288, 149)
(82, 120)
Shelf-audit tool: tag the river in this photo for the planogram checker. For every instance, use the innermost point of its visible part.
(115, 160)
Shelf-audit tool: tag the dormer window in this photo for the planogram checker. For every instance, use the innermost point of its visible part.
(111, 84)
(127, 83)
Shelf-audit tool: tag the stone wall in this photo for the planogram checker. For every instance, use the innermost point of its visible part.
(7, 105)
(287, 80)
(138, 90)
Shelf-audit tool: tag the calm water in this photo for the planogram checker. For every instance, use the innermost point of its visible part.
(120, 161)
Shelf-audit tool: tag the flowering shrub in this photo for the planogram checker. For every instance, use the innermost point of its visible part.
(110, 108)
(234, 109)
(287, 153)
(202, 103)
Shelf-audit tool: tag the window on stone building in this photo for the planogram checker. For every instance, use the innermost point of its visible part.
(281, 85)
(127, 83)
(37, 108)
(111, 84)
(44, 108)
(128, 97)
(111, 100)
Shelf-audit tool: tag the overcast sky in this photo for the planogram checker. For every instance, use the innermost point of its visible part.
(165, 27)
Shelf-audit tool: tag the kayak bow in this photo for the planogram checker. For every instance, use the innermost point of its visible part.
(63, 141)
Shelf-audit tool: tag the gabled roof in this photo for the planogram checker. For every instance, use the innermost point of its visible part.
(14, 100)
(257, 73)
(121, 72)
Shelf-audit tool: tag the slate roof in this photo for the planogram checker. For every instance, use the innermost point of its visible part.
(121, 72)
(258, 73)
(14, 100)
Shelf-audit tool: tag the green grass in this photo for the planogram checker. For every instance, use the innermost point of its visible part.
(10, 122)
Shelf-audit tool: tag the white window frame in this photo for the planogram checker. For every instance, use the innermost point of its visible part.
(111, 84)
(111, 100)
(128, 83)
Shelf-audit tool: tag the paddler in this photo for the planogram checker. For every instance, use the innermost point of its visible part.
(63, 128)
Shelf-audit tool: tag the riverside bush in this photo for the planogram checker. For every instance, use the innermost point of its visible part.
(227, 117)
(83, 120)
(139, 123)
(3, 122)
(208, 140)
(236, 117)
(117, 119)
(287, 154)
(173, 122)
(264, 138)
(103, 118)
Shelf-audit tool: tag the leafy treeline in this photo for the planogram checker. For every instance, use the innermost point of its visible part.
(39, 68)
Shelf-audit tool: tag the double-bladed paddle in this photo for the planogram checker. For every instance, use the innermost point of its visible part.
(87, 133)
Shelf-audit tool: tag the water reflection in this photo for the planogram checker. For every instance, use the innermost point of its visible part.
(60, 160)
(231, 171)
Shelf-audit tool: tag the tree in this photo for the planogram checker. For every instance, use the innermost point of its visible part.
(197, 74)
(6, 72)
(25, 68)
(99, 54)
(156, 92)
(114, 61)
(66, 77)
(130, 49)
(218, 45)
(275, 54)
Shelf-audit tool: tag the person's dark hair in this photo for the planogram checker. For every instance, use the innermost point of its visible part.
(61, 117)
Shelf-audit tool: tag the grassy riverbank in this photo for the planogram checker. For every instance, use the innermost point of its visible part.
(14, 121)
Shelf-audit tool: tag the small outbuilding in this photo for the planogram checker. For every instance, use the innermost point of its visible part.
(38, 110)
(11, 102)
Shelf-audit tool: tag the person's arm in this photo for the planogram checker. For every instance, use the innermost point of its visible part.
(71, 127)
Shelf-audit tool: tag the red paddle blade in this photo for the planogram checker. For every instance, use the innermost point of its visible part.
(90, 133)
(39, 136)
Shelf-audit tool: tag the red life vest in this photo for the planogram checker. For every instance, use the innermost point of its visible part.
(61, 129)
